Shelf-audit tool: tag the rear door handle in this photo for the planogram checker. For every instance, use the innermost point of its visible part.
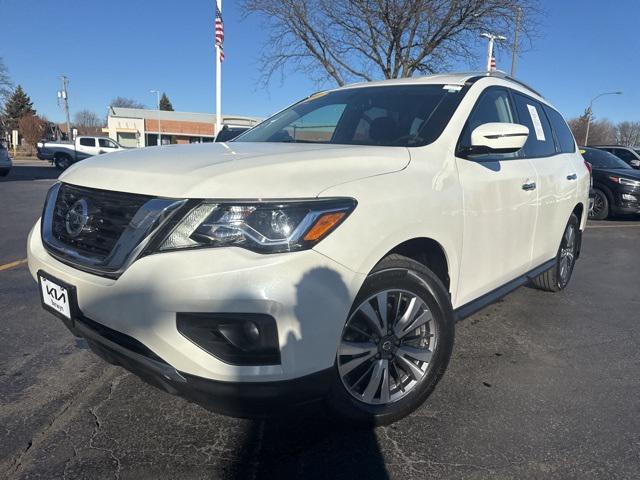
(573, 176)
(529, 186)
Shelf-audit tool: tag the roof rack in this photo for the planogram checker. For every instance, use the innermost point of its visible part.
(506, 76)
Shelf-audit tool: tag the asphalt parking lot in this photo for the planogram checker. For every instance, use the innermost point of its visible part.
(540, 386)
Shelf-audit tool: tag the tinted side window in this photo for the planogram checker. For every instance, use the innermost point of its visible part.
(625, 155)
(493, 106)
(530, 113)
(563, 133)
(88, 142)
(103, 142)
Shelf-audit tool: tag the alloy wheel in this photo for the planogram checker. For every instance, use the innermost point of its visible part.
(386, 347)
(567, 254)
(598, 205)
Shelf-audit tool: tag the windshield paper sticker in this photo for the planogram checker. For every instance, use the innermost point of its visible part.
(535, 118)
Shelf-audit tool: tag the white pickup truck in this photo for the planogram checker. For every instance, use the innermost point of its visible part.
(65, 154)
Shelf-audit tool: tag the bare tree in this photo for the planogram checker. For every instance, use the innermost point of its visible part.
(32, 128)
(601, 132)
(368, 39)
(125, 103)
(628, 133)
(88, 123)
(6, 85)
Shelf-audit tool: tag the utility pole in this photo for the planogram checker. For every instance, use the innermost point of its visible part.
(157, 92)
(516, 34)
(492, 38)
(64, 96)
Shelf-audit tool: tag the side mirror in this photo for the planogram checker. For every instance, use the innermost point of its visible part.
(498, 138)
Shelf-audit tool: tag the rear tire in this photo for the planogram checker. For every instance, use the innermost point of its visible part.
(600, 208)
(558, 277)
(404, 360)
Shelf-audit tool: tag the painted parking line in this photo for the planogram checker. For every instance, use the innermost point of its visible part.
(15, 264)
(613, 226)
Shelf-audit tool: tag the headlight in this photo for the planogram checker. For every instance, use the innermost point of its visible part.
(266, 227)
(625, 181)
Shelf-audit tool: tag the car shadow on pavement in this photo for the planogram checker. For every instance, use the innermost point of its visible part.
(21, 173)
(310, 445)
(311, 442)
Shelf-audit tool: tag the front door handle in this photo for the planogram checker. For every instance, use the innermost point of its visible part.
(529, 186)
(573, 176)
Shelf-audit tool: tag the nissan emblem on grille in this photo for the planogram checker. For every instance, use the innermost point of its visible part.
(77, 218)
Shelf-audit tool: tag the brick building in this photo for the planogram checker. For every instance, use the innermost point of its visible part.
(136, 127)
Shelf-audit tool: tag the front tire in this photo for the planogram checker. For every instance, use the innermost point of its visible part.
(558, 277)
(62, 162)
(4, 172)
(600, 208)
(395, 345)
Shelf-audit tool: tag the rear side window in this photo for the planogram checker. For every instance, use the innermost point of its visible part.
(88, 142)
(625, 155)
(563, 133)
(530, 114)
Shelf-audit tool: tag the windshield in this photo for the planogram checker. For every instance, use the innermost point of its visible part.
(602, 159)
(399, 115)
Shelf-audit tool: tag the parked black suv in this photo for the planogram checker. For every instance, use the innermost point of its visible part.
(630, 156)
(616, 186)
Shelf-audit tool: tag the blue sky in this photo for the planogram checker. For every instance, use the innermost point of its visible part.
(128, 47)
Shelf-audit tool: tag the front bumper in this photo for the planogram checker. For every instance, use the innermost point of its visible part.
(238, 399)
(627, 200)
(308, 294)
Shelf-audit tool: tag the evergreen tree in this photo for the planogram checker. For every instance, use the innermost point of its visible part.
(165, 103)
(18, 105)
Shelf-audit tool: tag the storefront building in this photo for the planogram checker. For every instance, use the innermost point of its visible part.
(137, 127)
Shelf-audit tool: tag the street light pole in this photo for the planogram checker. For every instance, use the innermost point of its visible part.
(590, 113)
(492, 38)
(157, 92)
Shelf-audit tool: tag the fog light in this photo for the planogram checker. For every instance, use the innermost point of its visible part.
(235, 338)
(629, 198)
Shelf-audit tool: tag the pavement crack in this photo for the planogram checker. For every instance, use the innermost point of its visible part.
(98, 425)
(39, 437)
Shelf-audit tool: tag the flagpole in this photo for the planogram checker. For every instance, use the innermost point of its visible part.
(218, 83)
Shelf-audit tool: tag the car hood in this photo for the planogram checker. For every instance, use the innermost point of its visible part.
(621, 172)
(235, 169)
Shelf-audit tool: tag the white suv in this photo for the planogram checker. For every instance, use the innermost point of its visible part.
(325, 254)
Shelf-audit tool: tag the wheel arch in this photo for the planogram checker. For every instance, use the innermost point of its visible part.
(62, 155)
(607, 191)
(429, 253)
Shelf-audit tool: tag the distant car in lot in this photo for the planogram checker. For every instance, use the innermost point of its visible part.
(229, 132)
(616, 186)
(65, 154)
(5, 161)
(325, 254)
(631, 156)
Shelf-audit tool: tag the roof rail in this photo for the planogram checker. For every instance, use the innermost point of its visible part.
(506, 76)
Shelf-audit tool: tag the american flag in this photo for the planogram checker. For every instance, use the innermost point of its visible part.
(493, 63)
(219, 32)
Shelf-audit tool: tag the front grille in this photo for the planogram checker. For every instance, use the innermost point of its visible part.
(101, 231)
(109, 214)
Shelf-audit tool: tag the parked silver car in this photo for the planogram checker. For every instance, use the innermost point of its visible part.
(5, 161)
